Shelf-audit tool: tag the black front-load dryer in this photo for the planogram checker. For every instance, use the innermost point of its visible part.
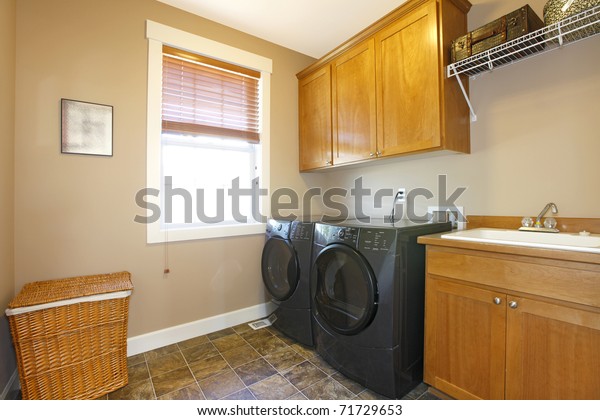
(367, 286)
(285, 267)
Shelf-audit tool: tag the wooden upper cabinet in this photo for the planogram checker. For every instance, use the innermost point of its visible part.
(315, 120)
(354, 106)
(408, 90)
(388, 92)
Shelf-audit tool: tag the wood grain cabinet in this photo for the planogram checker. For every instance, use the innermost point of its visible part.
(388, 92)
(501, 326)
(315, 111)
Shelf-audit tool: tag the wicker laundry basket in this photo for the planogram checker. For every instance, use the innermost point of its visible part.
(70, 336)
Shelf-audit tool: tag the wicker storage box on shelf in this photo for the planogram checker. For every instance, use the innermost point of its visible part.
(70, 336)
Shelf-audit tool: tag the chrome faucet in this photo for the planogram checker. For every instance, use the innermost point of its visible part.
(549, 225)
(538, 220)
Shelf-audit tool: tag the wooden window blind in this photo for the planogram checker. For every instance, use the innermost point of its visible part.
(201, 95)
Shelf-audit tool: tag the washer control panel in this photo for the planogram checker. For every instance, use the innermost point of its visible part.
(328, 234)
(376, 239)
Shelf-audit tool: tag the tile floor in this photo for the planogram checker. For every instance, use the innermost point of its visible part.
(240, 363)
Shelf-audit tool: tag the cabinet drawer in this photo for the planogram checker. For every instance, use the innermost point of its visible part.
(513, 274)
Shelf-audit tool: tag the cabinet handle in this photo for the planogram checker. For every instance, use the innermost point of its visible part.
(513, 304)
(497, 300)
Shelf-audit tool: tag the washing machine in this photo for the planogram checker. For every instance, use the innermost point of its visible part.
(285, 267)
(367, 287)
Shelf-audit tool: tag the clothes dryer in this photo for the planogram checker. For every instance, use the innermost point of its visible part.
(285, 266)
(367, 286)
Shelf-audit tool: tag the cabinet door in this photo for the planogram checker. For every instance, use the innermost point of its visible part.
(408, 91)
(553, 351)
(315, 120)
(464, 340)
(354, 105)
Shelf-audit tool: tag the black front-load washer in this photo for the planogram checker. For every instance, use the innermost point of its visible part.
(285, 267)
(367, 286)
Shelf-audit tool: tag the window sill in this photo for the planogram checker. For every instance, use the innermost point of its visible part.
(157, 235)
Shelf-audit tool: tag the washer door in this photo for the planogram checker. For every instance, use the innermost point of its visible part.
(280, 268)
(346, 289)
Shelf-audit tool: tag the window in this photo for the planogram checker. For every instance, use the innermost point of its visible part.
(208, 137)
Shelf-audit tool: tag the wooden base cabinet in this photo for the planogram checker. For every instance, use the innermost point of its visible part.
(484, 341)
(388, 92)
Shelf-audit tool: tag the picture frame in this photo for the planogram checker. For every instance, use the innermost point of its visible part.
(86, 128)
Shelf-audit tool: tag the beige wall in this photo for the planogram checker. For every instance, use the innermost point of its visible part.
(7, 137)
(537, 138)
(74, 214)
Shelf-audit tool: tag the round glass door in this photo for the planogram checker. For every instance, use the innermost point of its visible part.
(346, 289)
(280, 270)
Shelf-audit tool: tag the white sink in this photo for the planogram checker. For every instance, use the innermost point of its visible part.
(564, 241)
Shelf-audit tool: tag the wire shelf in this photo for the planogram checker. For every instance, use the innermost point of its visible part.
(567, 31)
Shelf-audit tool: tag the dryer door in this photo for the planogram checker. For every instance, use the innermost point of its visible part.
(346, 289)
(280, 268)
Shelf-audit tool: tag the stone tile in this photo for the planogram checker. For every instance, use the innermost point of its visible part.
(285, 359)
(269, 345)
(242, 328)
(351, 385)
(219, 386)
(172, 381)
(191, 392)
(164, 364)
(201, 352)
(141, 390)
(240, 355)
(209, 367)
(244, 394)
(416, 392)
(135, 360)
(304, 351)
(274, 388)
(428, 396)
(298, 396)
(323, 365)
(328, 389)
(287, 340)
(367, 394)
(222, 333)
(255, 371)
(138, 372)
(229, 342)
(193, 342)
(153, 354)
(256, 335)
(304, 375)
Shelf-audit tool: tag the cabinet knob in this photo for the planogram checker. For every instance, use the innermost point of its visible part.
(513, 304)
(497, 301)
(329, 162)
(378, 153)
(371, 154)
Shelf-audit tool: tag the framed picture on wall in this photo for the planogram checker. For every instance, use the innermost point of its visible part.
(86, 128)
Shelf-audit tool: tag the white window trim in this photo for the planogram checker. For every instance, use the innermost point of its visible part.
(159, 35)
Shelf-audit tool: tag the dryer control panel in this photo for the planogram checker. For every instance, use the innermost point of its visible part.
(301, 231)
(278, 228)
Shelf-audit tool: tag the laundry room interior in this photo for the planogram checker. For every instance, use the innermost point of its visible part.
(393, 199)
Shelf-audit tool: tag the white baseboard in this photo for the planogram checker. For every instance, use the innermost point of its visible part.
(160, 338)
(12, 385)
